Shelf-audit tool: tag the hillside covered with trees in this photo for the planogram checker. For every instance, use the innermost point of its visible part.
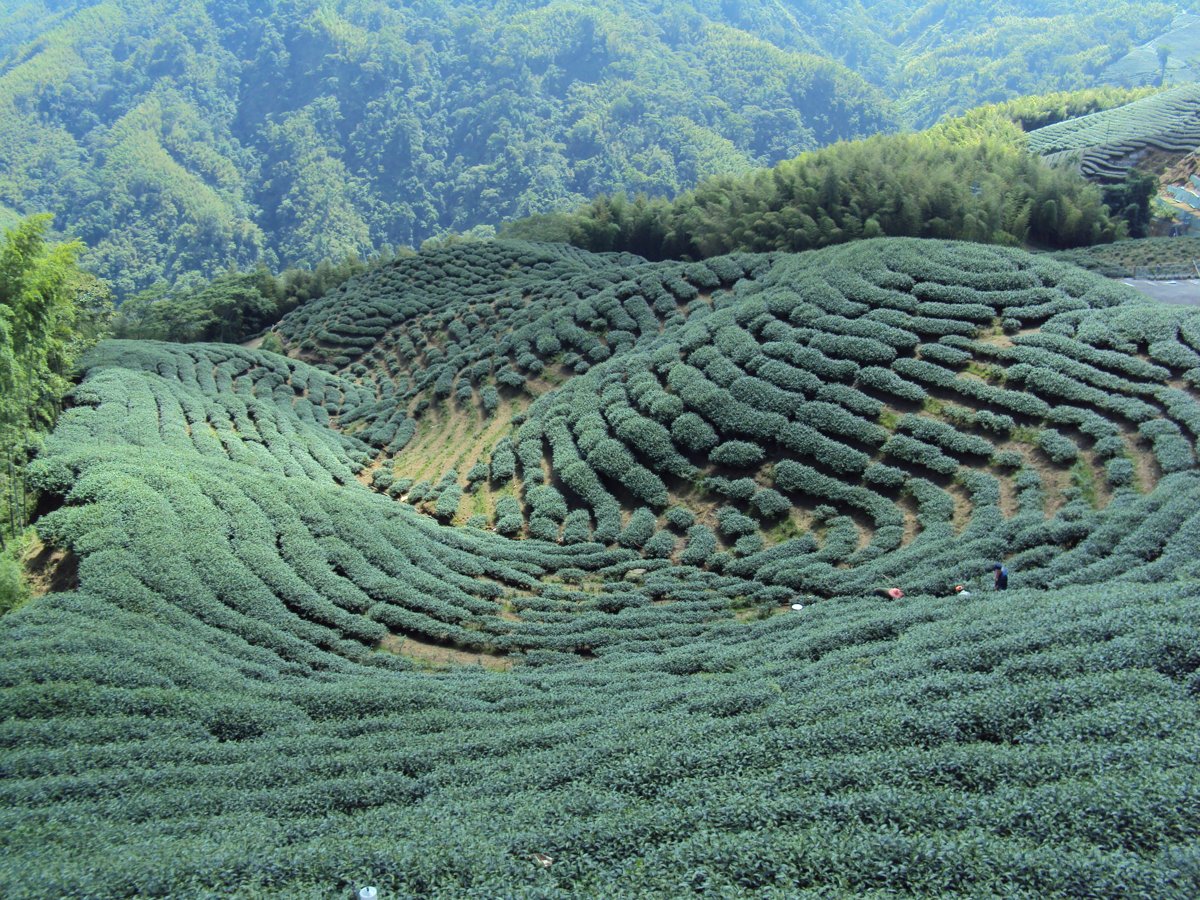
(195, 136)
(533, 571)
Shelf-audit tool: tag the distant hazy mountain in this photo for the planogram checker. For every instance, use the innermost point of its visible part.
(188, 137)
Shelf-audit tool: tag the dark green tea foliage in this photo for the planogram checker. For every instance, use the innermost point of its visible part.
(892, 411)
(1145, 256)
(243, 697)
(226, 457)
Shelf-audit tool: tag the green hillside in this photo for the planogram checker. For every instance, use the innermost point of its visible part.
(188, 137)
(1148, 257)
(277, 676)
(1169, 57)
(969, 179)
(1106, 144)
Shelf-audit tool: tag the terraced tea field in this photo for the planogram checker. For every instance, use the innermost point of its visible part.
(501, 569)
(1105, 145)
(797, 420)
(1142, 257)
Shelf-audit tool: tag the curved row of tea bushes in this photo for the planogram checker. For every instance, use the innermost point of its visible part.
(784, 367)
(1105, 144)
(313, 567)
(1052, 733)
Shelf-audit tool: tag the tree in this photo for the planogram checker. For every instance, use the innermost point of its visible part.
(1163, 52)
(1130, 200)
(50, 312)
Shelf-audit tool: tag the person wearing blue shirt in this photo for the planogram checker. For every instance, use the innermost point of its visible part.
(1001, 577)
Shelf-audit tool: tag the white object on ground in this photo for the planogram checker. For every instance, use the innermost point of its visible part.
(797, 606)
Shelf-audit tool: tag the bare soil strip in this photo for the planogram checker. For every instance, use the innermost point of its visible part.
(437, 657)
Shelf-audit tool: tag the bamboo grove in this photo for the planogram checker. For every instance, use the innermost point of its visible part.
(49, 312)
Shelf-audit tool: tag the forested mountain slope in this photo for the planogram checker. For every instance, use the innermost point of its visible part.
(277, 676)
(186, 137)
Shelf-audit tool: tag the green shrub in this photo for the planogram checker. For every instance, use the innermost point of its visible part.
(660, 546)
(448, 501)
(737, 454)
(503, 461)
(701, 545)
(732, 523)
(14, 591)
(680, 518)
(692, 433)
(769, 503)
(641, 528)
(1059, 448)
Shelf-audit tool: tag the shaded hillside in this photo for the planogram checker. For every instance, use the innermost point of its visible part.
(961, 55)
(1168, 57)
(198, 135)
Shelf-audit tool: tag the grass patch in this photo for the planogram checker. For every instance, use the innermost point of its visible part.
(15, 590)
(989, 372)
(1025, 435)
(786, 530)
(1084, 478)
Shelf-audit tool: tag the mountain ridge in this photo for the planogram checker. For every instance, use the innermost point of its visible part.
(149, 133)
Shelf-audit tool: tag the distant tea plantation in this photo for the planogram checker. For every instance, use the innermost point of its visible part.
(1106, 145)
(534, 572)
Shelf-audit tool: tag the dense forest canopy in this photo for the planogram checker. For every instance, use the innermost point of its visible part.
(194, 136)
(969, 179)
(50, 312)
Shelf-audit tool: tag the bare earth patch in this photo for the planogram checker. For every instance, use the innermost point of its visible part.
(367, 475)
(1180, 385)
(1099, 483)
(1055, 481)
(962, 507)
(1055, 478)
(865, 525)
(912, 526)
(438, 657)
(1008, 496)
(50, 570)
